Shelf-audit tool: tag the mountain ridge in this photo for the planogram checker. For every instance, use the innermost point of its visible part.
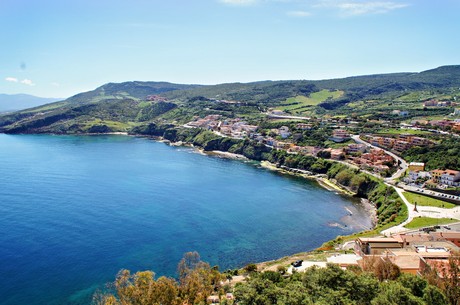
(20, 101)
(123, 106)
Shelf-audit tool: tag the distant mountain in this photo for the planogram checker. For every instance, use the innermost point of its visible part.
(124, 106)
(133, 90)
(15, 102)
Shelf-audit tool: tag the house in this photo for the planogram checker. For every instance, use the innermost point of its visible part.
(407, 263)
(446, 177)
(303, 126)
(453, 237)
(388, 142)
(401, 146)
(416, 166)
(450, 177)
(430, 103)
(400, 112)
(284, 132)
(213, 299)
(356, 148)
(337, 154)
(277, 112)
(418, 141)
(344, 260)
(414, 175)
(378, 141)
(436, 174)
(339, 135)
(376, 245)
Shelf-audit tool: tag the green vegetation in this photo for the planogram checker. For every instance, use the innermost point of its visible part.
(300, 105)
(380, 282)
(394, 131)
(427, 201)
(445, 155)
(372, 97)
(421, 222)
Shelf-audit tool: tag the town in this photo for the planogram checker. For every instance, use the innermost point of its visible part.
(377, 154)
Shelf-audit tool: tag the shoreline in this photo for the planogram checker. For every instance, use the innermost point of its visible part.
(320, 179)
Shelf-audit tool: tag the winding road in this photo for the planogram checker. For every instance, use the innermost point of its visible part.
(422, 211)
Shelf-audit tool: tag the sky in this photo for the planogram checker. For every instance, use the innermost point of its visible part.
(53, 48)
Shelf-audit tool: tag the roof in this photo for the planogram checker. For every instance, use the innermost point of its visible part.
(447, 235)
(378, 240)
(417, 164)
(451, 172)
(409, 238)
(405, 262)
(344, 259)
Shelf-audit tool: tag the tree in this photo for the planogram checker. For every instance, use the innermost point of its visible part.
(434, 296)
(394, 293)
(415, 283)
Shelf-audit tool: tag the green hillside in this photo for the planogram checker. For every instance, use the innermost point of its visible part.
(122, 106)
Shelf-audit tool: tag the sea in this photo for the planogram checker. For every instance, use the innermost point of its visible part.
(75, 210)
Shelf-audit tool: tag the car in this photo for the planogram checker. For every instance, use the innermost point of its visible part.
(297, 263)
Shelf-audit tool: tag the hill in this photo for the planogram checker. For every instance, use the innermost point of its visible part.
(124, 106)
(15, 102)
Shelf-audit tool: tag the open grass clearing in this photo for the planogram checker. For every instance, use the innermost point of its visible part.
(301, 103)
(421, 222)
(395, 131)
(427, 201)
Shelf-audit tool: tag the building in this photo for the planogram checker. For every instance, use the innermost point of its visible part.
(356, 148)
(414, 175)
(284, 132)
(416, 166)
(453, 237)
(401, 146)
(446, 177)
(337, 154)
(450, 177)
(339, 135)
(376, 245)
(388, 142)
(303, 126)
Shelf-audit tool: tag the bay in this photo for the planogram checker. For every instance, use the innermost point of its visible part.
(75, 210)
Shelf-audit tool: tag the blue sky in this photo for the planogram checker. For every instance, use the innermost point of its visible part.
(59, 48)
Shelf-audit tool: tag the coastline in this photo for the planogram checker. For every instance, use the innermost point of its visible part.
(320, 179)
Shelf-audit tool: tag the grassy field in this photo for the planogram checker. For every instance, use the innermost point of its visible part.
(115, 126)
(394, 131)
(427, 201)
(300, 104)
(421, 222)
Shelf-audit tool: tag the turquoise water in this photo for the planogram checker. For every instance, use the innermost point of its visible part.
(76, 209)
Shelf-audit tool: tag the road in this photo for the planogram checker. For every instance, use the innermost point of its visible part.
(402, 163)
(275, 116)
(422, 211)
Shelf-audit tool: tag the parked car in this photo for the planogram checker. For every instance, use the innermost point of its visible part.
(297, 263)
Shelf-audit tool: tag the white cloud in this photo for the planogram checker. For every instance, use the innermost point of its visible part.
(298, 14)
(357, 8)
(11, 79)
(55, 84)
(27, 82)
(239, 2)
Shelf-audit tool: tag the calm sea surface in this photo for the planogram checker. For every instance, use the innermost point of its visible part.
(74, 210)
